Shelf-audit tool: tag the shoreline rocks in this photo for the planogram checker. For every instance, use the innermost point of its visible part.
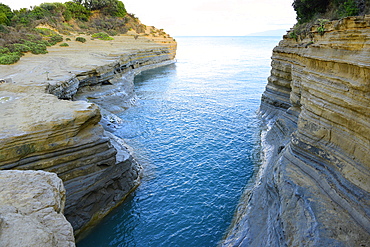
(41, 131)
(31, 210)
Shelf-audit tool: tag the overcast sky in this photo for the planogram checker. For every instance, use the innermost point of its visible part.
(203, 17)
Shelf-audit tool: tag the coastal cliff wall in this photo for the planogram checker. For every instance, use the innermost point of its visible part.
(313, 188)
(42, 131)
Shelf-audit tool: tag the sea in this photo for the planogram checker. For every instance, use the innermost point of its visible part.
(195, 130)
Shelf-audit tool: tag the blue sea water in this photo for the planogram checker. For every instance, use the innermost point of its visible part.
(194, 130)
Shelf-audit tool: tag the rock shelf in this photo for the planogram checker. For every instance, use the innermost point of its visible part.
(51, 118)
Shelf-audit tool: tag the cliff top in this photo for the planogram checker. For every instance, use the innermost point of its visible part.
(61, 63)
(35, 29)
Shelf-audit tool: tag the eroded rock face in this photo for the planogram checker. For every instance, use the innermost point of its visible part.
(41, 131)
(313, 188)
(31, 210)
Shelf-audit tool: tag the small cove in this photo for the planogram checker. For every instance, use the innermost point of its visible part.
(195, 131)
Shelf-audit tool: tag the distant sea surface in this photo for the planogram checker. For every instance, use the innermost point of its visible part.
(195, 131)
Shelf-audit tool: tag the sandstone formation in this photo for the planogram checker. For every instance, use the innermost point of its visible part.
(31, 210)
(313, 188)
(41, 128)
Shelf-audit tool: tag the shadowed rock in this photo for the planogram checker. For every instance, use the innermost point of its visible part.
(314, 191)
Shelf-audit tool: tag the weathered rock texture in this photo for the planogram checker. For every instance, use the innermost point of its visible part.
(31, 210)
(313, 188)
(41, 131)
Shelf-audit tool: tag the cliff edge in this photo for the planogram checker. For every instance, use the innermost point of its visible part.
(43, 127)
(313, 188)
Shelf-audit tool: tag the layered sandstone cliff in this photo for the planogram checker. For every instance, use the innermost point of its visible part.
(313, 188)
(41, 128)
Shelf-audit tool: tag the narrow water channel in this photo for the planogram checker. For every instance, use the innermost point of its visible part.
(194, 130)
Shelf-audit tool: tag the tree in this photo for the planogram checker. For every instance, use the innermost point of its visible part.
(76, 11)
(108, 7)
(306, 9)
(6, 14)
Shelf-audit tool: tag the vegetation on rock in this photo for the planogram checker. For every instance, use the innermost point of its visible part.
(19, 32)
(307, 10)
(318, 12)
(81, 39)
(102, 36)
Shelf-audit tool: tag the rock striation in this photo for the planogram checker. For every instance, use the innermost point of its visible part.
(313, 188)
(31, 210)
(42, 128)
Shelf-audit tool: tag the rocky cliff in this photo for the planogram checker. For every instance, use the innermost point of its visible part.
(41, 128)
(313, 188)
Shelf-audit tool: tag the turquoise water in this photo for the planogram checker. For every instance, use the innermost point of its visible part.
(195, 131)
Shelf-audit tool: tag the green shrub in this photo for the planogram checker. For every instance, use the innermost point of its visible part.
(4, 50)
(63, 44)
(102, 36)
(112, 32)
(39, 49)
(45, 42)
(112, 8)
(20, 48)
(45, 32)
(293, 35)
(9, 58)
(6, 14)
(77, 11)
(3, 29)
(83, 26)
(81, 39)
(349, 8)
(67, 15)
(38, 13)
(307, 9)
(4, 19)
(55, 39)
(68, 39)
(321, 29)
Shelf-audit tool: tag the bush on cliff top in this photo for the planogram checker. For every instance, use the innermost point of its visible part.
(310, 13)
(309, 10)
(102, 36)
(82, 16)
(81, 39)
(9, 58)
(6, 14)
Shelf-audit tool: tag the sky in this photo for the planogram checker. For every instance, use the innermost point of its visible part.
(203, 17)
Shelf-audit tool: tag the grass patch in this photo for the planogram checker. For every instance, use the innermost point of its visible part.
(102, 36)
